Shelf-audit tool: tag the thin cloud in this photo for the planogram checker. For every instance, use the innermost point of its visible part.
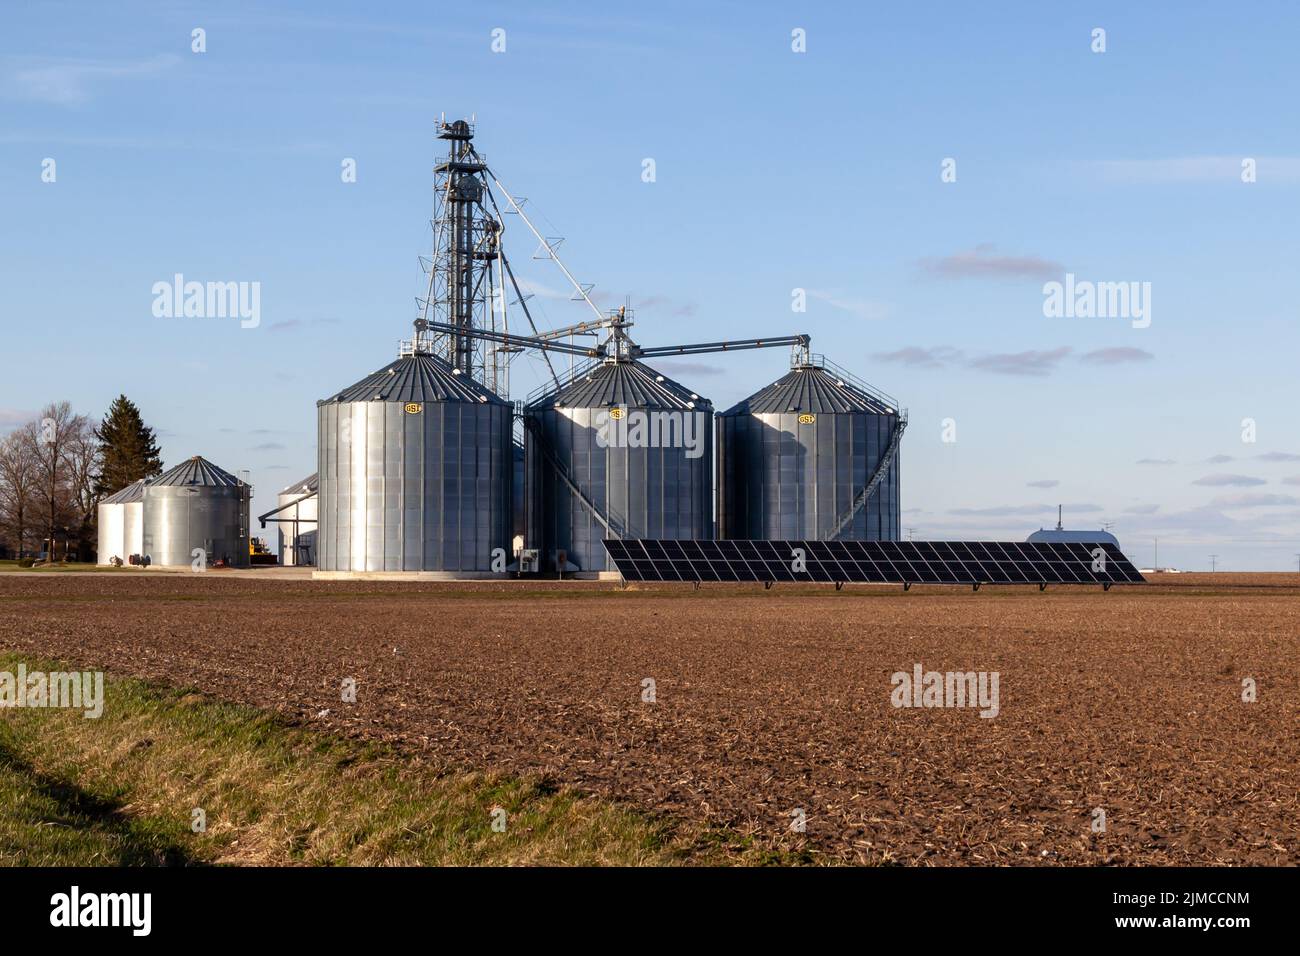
(294, 325)
(1141, 509)
(920, 357)
(13, 417)
(1032, 362)
(1219, 459)
(68, 82)
(1009, 511)
(1278, 456)
(1035, 362)
(1043, 483)
(689, 368)
(1195, 169)
(1251, 499)
(1156, 461)
(1291, 480)
(982, 263)
(269, 446)
(1116, 356)
(1221, 480)
(862, 308)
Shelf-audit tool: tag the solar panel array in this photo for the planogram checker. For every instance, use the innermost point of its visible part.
(874, 562)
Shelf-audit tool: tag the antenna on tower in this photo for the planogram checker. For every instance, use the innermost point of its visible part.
(1059, 526)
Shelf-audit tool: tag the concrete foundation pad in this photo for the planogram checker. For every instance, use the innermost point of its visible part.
(409, 576)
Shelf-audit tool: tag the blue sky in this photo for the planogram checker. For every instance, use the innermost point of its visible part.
(775, 170)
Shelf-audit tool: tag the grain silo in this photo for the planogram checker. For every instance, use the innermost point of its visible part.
(296, 519)
(617, 450)
(415, 467)
(196, 506)
(121, 524)
(811, 457)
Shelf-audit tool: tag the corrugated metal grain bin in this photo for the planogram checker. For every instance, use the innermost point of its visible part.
(121, 523)
(795, 457)
(196, 505)
(617, 451)
(415, 472)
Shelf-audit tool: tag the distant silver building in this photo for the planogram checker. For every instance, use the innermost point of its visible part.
(121, 524)
(618, 450)
(814, 456)
(296, 519)
(196, 506)
(415, 468)
(1061, 534)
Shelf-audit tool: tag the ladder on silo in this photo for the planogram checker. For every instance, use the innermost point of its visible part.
(887, 459)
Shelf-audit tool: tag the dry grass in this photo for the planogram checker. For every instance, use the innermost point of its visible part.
(121, 790)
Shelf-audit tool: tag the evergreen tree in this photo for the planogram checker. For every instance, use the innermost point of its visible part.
(127, 447)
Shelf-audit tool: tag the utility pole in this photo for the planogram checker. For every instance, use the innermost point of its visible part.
(1213, 559)
(911, 531)
(1155, 562)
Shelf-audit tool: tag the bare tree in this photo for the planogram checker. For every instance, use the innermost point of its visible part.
(83, 464)
(17, 488)
(50, 440)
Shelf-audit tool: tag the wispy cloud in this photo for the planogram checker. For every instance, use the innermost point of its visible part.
(1219, 459)
(1031, 362)
(269, 446)
(1043, 483)
(1195, 169)
(1278, 456)
(982, 263)
(70, 82)
(1116, 356)
(13, 417)
(1141, 509)
(1003, 511)
(1253, 499)
(1221, 480)
(1156, 461)
(862, 308)
(296, 325)
(688, 368)
(1034, 362)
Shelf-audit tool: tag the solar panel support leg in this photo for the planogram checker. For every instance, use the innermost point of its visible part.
(767, 585)
(839, 585)
(1042, 586)
(975, 586)
(907, 585)
(1106, 586)
(697, 585)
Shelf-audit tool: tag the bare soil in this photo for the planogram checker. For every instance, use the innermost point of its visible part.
(768, 702)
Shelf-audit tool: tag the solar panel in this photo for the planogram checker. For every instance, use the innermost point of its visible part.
(874, 562)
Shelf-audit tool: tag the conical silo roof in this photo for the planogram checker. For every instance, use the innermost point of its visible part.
(132, 492)
(811, 388)
(196, 471)
(621, 383)
(306, 486)
(417, 378)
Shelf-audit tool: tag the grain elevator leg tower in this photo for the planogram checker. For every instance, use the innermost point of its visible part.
(416, 460)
